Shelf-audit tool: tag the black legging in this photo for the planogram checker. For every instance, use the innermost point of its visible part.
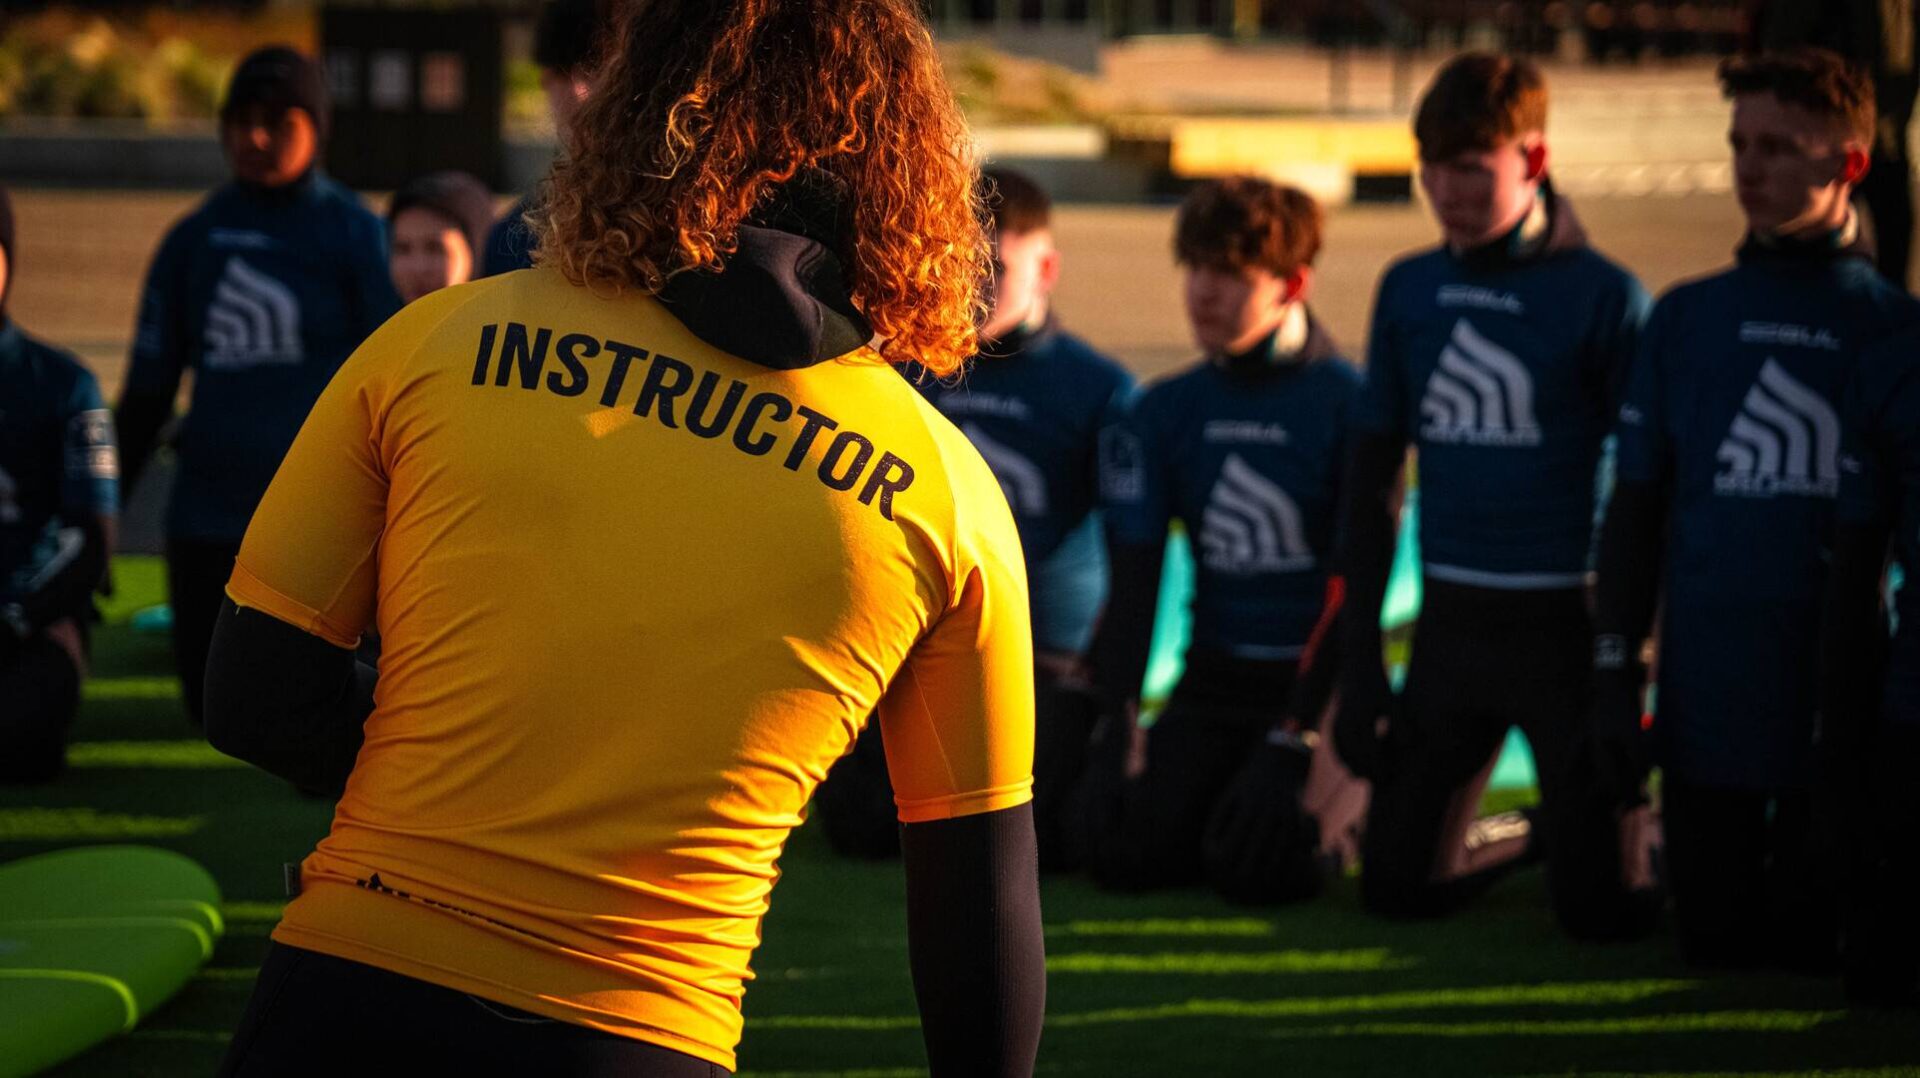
(39, 695)
(314, 1014)
(1485, 661)
(1148, 832)
(197, 573)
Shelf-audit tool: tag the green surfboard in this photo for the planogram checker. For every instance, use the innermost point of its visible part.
(91, 941)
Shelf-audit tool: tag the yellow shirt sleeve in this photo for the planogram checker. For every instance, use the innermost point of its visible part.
(957, 721)
(310, 556)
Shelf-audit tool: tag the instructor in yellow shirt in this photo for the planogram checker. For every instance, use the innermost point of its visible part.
(647, 532)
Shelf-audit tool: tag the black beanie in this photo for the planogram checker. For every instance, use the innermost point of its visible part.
(278, 78)
(6, 247)
(454, 195)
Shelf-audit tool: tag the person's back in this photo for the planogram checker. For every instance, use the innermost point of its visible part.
(647, 533)
(760, 550)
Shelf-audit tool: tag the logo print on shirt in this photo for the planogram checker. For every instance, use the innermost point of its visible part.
(1481, 394)
(253, 321)
(1251, 525)
(1784, 440)
(1020, 478)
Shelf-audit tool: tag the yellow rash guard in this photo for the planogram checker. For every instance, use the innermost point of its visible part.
(635, 596)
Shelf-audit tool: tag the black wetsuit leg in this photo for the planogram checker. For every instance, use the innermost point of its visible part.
(39, 696)
(197, 575)
(1750, 882)
(1881, 949)
(1148, 832)
(1486, 660)
(1435, 761)
(314, 1014)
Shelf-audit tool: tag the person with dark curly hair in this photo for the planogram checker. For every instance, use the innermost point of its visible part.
(1245, 449)
(648, 532)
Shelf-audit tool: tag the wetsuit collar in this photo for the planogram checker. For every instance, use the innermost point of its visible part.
(1020, 339)
(1549, 228)
(783, 299)
(10, 337)
(297, 191)
(1817, 250)
(1297, 341)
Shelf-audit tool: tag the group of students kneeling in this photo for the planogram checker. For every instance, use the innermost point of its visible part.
(1730, 436)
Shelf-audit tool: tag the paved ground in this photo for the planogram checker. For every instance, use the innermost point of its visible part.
(82, 255)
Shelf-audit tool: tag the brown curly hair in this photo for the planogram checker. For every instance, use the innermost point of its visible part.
(1242, 221)
(701, 108)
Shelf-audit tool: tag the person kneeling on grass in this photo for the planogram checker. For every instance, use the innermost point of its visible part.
(1723, 520)
(1245, 448)
(653, 528)
(59, 478)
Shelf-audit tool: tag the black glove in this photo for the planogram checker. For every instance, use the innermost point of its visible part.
(1618, 740)
(1260, 845)
(1367, 706)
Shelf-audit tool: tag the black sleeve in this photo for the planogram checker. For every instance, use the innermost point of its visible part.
(1367, 538)
(974, 939)
(139, 420)
(1124, 642)
(63, 588)
(1853, 629)
(1627, 588)
(284, 700)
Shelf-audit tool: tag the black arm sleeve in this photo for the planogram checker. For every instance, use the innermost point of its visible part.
(1367, 542)
(63, 588)
(1124, 642)
(284, 700)
(1627, 590)
(139, 420)
(974, 939)
(1853, 629)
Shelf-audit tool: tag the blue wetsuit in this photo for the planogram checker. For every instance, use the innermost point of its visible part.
(1501, 372)
(510, 243)
(262, 293)
(1248, 458)
(1034, 405)
(58, 487)
(1733, 410)
(58, 466)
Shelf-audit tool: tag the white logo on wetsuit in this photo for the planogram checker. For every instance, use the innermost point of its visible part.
(1250, 525)
(1480, 394)
(254, 321)
(1020, 478)
(1784, 440)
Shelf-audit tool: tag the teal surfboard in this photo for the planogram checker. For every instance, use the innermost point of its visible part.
(91, 941)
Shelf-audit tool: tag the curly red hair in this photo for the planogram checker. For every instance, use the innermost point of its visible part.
(700, 108)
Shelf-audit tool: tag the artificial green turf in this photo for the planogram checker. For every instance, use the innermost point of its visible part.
(1169, 984)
